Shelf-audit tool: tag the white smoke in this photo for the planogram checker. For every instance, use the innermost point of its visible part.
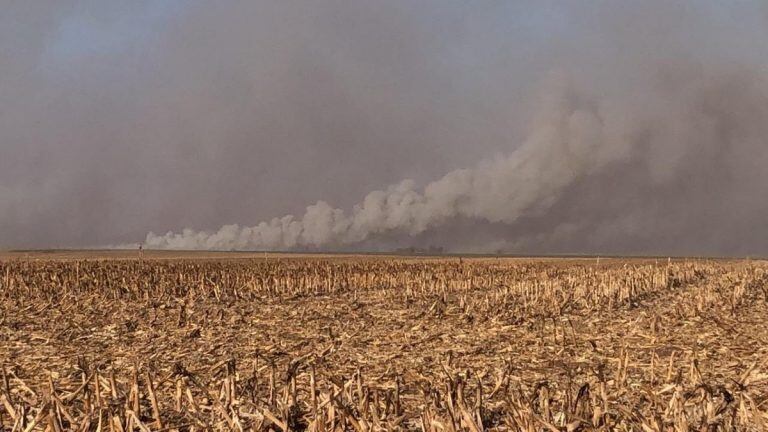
(569, 138)
(698, 137)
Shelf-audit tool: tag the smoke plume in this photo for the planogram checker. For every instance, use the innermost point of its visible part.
(527, 127)
(699, 134)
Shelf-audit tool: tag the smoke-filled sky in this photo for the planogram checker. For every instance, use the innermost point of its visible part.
(525, 127)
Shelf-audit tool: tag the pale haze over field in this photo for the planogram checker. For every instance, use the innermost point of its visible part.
(518, 126)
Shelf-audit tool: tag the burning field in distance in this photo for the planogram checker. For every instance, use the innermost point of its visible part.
(382, 343)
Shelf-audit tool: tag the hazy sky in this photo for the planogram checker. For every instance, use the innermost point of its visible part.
(118, 118)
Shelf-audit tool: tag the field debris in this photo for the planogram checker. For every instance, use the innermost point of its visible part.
(365, 344)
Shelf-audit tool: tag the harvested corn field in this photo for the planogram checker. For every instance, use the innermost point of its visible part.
(382, 343)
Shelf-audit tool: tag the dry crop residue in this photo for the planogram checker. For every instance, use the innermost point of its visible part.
(373, 344)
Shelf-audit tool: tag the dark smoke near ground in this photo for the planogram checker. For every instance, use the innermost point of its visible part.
(616, 128)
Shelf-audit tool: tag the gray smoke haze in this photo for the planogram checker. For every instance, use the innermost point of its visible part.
(602, 127)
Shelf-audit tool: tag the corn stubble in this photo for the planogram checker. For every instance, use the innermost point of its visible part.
(383, 344)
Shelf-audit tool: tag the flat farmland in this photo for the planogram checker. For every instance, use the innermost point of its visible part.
(266, 342)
